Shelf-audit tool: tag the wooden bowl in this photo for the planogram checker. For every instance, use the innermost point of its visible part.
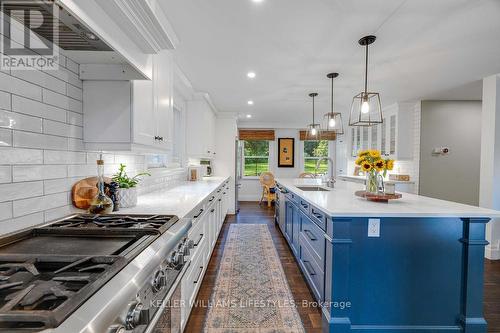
(382, 197)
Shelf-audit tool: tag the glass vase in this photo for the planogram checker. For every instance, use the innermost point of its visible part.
(372, 182)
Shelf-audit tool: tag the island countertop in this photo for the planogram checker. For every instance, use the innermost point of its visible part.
(341, 201)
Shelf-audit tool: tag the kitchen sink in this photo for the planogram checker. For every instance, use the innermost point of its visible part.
(313, 188)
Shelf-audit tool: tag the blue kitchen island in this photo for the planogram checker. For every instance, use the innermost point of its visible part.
(411, 265)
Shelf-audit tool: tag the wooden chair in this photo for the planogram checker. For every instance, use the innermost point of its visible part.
(268, 188)
(306, 175)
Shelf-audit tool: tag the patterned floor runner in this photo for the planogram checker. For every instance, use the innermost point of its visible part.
(251, 292)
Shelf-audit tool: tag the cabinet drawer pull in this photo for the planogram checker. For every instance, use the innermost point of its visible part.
(309, 268)
(199, 240)
(199, 275)
(211, 199)
(196, 216)
(213, 210)
(304, 205)
(310, 235)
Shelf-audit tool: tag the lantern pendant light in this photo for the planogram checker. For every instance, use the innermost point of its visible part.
(366, 109)
(314, 128)
(333, 119)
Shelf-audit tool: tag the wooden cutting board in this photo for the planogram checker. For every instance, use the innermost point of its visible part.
(84, 191)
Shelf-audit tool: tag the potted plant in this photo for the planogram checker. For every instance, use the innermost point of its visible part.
(375, 168)
(127, 190)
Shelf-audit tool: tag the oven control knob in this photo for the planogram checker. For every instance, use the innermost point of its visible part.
(185, 249)
(190, 243)
(159, 280)
(117, 329)
(136, 316)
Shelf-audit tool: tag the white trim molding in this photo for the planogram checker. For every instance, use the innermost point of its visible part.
(148, 27)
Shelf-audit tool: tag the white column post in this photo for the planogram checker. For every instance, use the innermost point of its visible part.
(489, 192)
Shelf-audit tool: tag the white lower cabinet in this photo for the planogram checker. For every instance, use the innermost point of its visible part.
(207, 223)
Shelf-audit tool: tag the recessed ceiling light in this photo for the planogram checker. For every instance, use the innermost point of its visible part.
(249, 116)
(251, 75)
(257, 0)
(250, 102)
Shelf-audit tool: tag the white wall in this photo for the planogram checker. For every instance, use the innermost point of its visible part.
(251, 189)
(457, 125)
(489, 194)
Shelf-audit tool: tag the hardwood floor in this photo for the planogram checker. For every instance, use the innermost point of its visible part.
(250, 212)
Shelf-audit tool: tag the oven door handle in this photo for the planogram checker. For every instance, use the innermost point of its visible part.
(154, 321)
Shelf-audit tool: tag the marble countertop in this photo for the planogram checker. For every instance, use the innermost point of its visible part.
(387, 181)
(178, 200)
(341, 201)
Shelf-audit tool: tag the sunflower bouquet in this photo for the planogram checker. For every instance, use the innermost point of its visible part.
(374, 166)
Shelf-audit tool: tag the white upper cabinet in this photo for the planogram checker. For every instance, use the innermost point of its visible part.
(394, 137)
(200, 128)
(131, 115)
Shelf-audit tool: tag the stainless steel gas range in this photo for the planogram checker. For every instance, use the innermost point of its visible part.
(95, 274)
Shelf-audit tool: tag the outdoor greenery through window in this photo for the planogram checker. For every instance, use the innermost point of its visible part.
(255, 157)
(313, 151)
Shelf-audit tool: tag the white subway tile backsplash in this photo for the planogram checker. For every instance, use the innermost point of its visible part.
(107, 158)
(35, 140)
(58, 185)
(16, 191)
(38, 109)
(74, 92)
(58, 213)
(20, 223)
(63, 157)
(42, 79)
(20, 156)
(5, 211)
(82, 170)
(5, 100)
(19, 121)
(75, 106)
(5, 174)
(72, 66)
(20, 87)
(38, 172)
(5, 137)
(61, 129)
(38, 204)
(76, 144)
(55, 99)
(74, 118)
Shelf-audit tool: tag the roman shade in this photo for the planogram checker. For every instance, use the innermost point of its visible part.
(250, 134)
(323, 135)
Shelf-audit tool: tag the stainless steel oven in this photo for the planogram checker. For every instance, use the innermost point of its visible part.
(168, 317)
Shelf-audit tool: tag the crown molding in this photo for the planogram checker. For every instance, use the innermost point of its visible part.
(148, 27)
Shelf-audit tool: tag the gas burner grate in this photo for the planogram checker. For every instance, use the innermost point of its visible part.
(51, 287)
(157, 223)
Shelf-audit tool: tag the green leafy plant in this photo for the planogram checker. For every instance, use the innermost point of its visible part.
(124, 181)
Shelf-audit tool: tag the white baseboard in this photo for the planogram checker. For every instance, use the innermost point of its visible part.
(492, 253)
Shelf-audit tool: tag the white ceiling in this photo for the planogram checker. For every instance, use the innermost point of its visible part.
(423, 47)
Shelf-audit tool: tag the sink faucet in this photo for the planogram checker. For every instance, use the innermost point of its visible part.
(331, 180)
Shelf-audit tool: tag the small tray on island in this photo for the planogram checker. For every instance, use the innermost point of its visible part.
(379, 197)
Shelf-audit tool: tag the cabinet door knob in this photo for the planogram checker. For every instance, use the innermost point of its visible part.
(157, 137)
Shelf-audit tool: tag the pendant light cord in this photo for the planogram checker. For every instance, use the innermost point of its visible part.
(366, 70)
(332, 95)
(313, 110)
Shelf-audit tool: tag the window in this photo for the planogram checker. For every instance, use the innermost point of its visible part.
(313, 151)
(255, 157)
